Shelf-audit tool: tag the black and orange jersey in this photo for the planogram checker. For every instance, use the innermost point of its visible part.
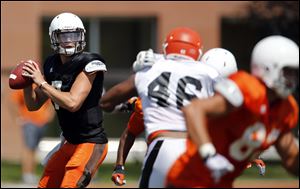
(84, 125)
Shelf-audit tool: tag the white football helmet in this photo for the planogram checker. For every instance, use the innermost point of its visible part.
(66, 33)
(220, 59)
(271, 58)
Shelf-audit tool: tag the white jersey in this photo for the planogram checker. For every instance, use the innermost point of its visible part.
(167, 86)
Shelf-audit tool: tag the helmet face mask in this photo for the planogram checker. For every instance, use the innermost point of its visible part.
(67, 37)
(287, 81)
(67, 34)
(274, 60)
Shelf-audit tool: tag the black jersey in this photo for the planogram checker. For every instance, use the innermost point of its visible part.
(84, 125)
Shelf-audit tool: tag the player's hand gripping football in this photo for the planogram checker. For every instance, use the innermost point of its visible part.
(143, 59)
(219, 166)
(118, 176)
(260, 164)
(33, 71)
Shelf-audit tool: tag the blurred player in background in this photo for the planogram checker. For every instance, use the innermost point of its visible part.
(248, 114)
(74, 83)
(183, 47)
(164, 88)
(220, 59)
(224, 61)
(34, 125)
(135, 127)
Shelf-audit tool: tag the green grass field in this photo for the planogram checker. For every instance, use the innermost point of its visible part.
(11, 172)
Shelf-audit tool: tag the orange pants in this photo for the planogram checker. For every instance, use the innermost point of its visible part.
(73, 165)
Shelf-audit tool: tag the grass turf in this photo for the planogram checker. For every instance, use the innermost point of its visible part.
(11, 172)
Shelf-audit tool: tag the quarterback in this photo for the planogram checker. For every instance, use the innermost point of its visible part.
(74, 82)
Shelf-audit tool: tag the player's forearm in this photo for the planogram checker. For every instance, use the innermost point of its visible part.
(291, 162)
(196, 126)
(293, 165)
(288, 150)
(64, 99)
(126, 142)
(128, 145)
(196, 114)
(111, 99)
(31, 99)
(118, 94)
(121, 157)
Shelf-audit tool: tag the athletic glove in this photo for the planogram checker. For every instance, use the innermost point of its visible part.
(118, 176)
(219, 166)
(127, 106)
(143, 59)
(260, 164)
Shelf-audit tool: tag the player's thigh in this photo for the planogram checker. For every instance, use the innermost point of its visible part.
(161, 154)
(170, 150)
(83, 164)
(54, 170)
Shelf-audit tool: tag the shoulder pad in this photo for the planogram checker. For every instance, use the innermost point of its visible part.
(95, 65)
(230, 91)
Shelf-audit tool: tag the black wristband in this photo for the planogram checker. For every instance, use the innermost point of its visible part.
(119, 169)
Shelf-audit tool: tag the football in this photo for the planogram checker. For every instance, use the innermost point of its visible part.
(16, 80)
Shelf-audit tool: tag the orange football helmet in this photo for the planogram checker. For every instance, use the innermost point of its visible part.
(183, 41)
